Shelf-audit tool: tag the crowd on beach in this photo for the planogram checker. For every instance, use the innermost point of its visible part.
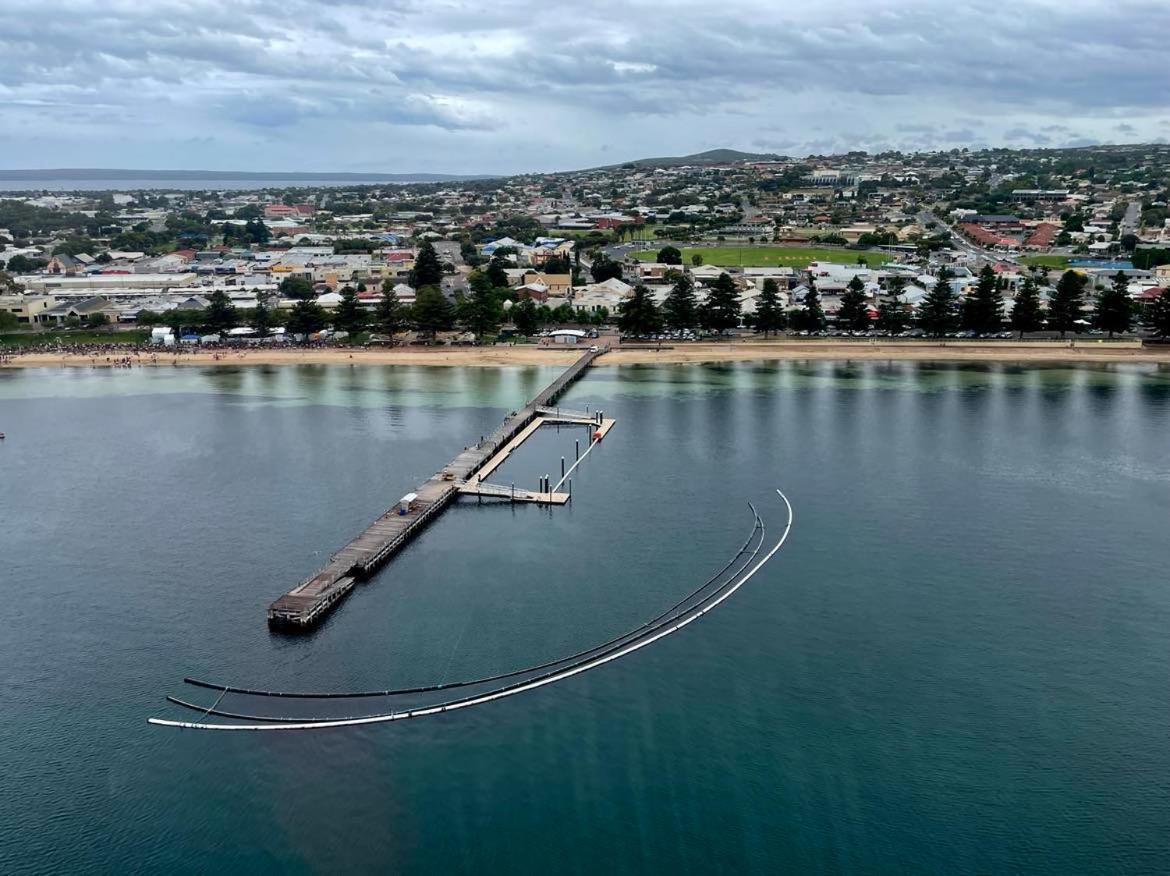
(116, 355)
(129, 354)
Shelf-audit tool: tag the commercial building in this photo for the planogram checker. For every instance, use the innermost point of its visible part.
(27, 308)
(92, 284)
(82, 310)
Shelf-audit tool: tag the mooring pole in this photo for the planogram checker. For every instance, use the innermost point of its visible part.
(576, 448)
(562, 466)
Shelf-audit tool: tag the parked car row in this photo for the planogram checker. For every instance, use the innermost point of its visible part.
(908, 333)
(685, 335)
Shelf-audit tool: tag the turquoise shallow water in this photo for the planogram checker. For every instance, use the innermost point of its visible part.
(959, 664)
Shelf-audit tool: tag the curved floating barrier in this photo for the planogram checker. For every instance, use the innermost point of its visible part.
(451, 685)
(604, 654)
(656, 623)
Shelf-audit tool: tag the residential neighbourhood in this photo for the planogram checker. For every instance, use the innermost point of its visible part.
(874, 235)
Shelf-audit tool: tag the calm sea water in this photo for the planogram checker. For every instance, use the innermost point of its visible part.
(57, 184)
(959, 664)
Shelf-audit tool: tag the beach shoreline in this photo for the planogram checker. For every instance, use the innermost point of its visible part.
(527, 355)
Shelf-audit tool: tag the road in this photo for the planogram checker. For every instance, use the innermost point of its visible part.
(1132, 218)
(617, 251)
(962, 244)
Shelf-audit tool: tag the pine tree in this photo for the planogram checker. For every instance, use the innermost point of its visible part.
(432, 311)
(637, 314)
(427, 269)
(983, 307)
(306, 317)
(770, 316)
(350, 316)
(261, 317)
(679, 310)
(497, 272)
(937, 314)
(524, 317)
(1158, 314)
(1114, 311)
(220, 315)
(813, 315)
(1026, 316)
(722, 308)
(854, 312)
(1066, 308)
(482, 309)
(390, 317)
(891, 315)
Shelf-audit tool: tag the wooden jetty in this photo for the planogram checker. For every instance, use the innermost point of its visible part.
(311, 599)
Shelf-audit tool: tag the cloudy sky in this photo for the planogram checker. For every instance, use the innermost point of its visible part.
(500, 86)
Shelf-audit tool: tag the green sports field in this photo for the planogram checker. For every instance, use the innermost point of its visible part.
(769, 256)
(1046, 261)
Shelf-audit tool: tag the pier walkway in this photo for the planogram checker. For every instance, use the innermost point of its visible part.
(311, 599)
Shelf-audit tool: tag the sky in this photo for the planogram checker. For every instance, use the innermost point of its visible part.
(510, 86)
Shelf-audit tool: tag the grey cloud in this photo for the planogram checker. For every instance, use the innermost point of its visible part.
(1037, 70)
(1025, 136)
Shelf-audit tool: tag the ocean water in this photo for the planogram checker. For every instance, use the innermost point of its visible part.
(133, 184)
(958, 663)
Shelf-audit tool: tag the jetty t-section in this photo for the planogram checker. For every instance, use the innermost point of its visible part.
(310, 600)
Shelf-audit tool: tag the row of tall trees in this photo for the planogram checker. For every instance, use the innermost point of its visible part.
(681, 309)
(481, 310)
(431, 312)
(943, 310)
(721, 310)
(981, 310)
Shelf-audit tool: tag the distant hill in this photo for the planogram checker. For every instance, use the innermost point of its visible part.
(105, 173)
(711, 156)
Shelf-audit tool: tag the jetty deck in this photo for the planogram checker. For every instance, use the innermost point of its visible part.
(305, 604)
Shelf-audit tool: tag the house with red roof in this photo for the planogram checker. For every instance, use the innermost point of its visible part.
(288, 211)
(1042, 236)
(984, 237)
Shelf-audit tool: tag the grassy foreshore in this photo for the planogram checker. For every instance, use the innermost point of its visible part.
(1084, 350)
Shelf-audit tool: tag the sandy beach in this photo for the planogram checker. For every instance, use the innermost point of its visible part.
(740, 351)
